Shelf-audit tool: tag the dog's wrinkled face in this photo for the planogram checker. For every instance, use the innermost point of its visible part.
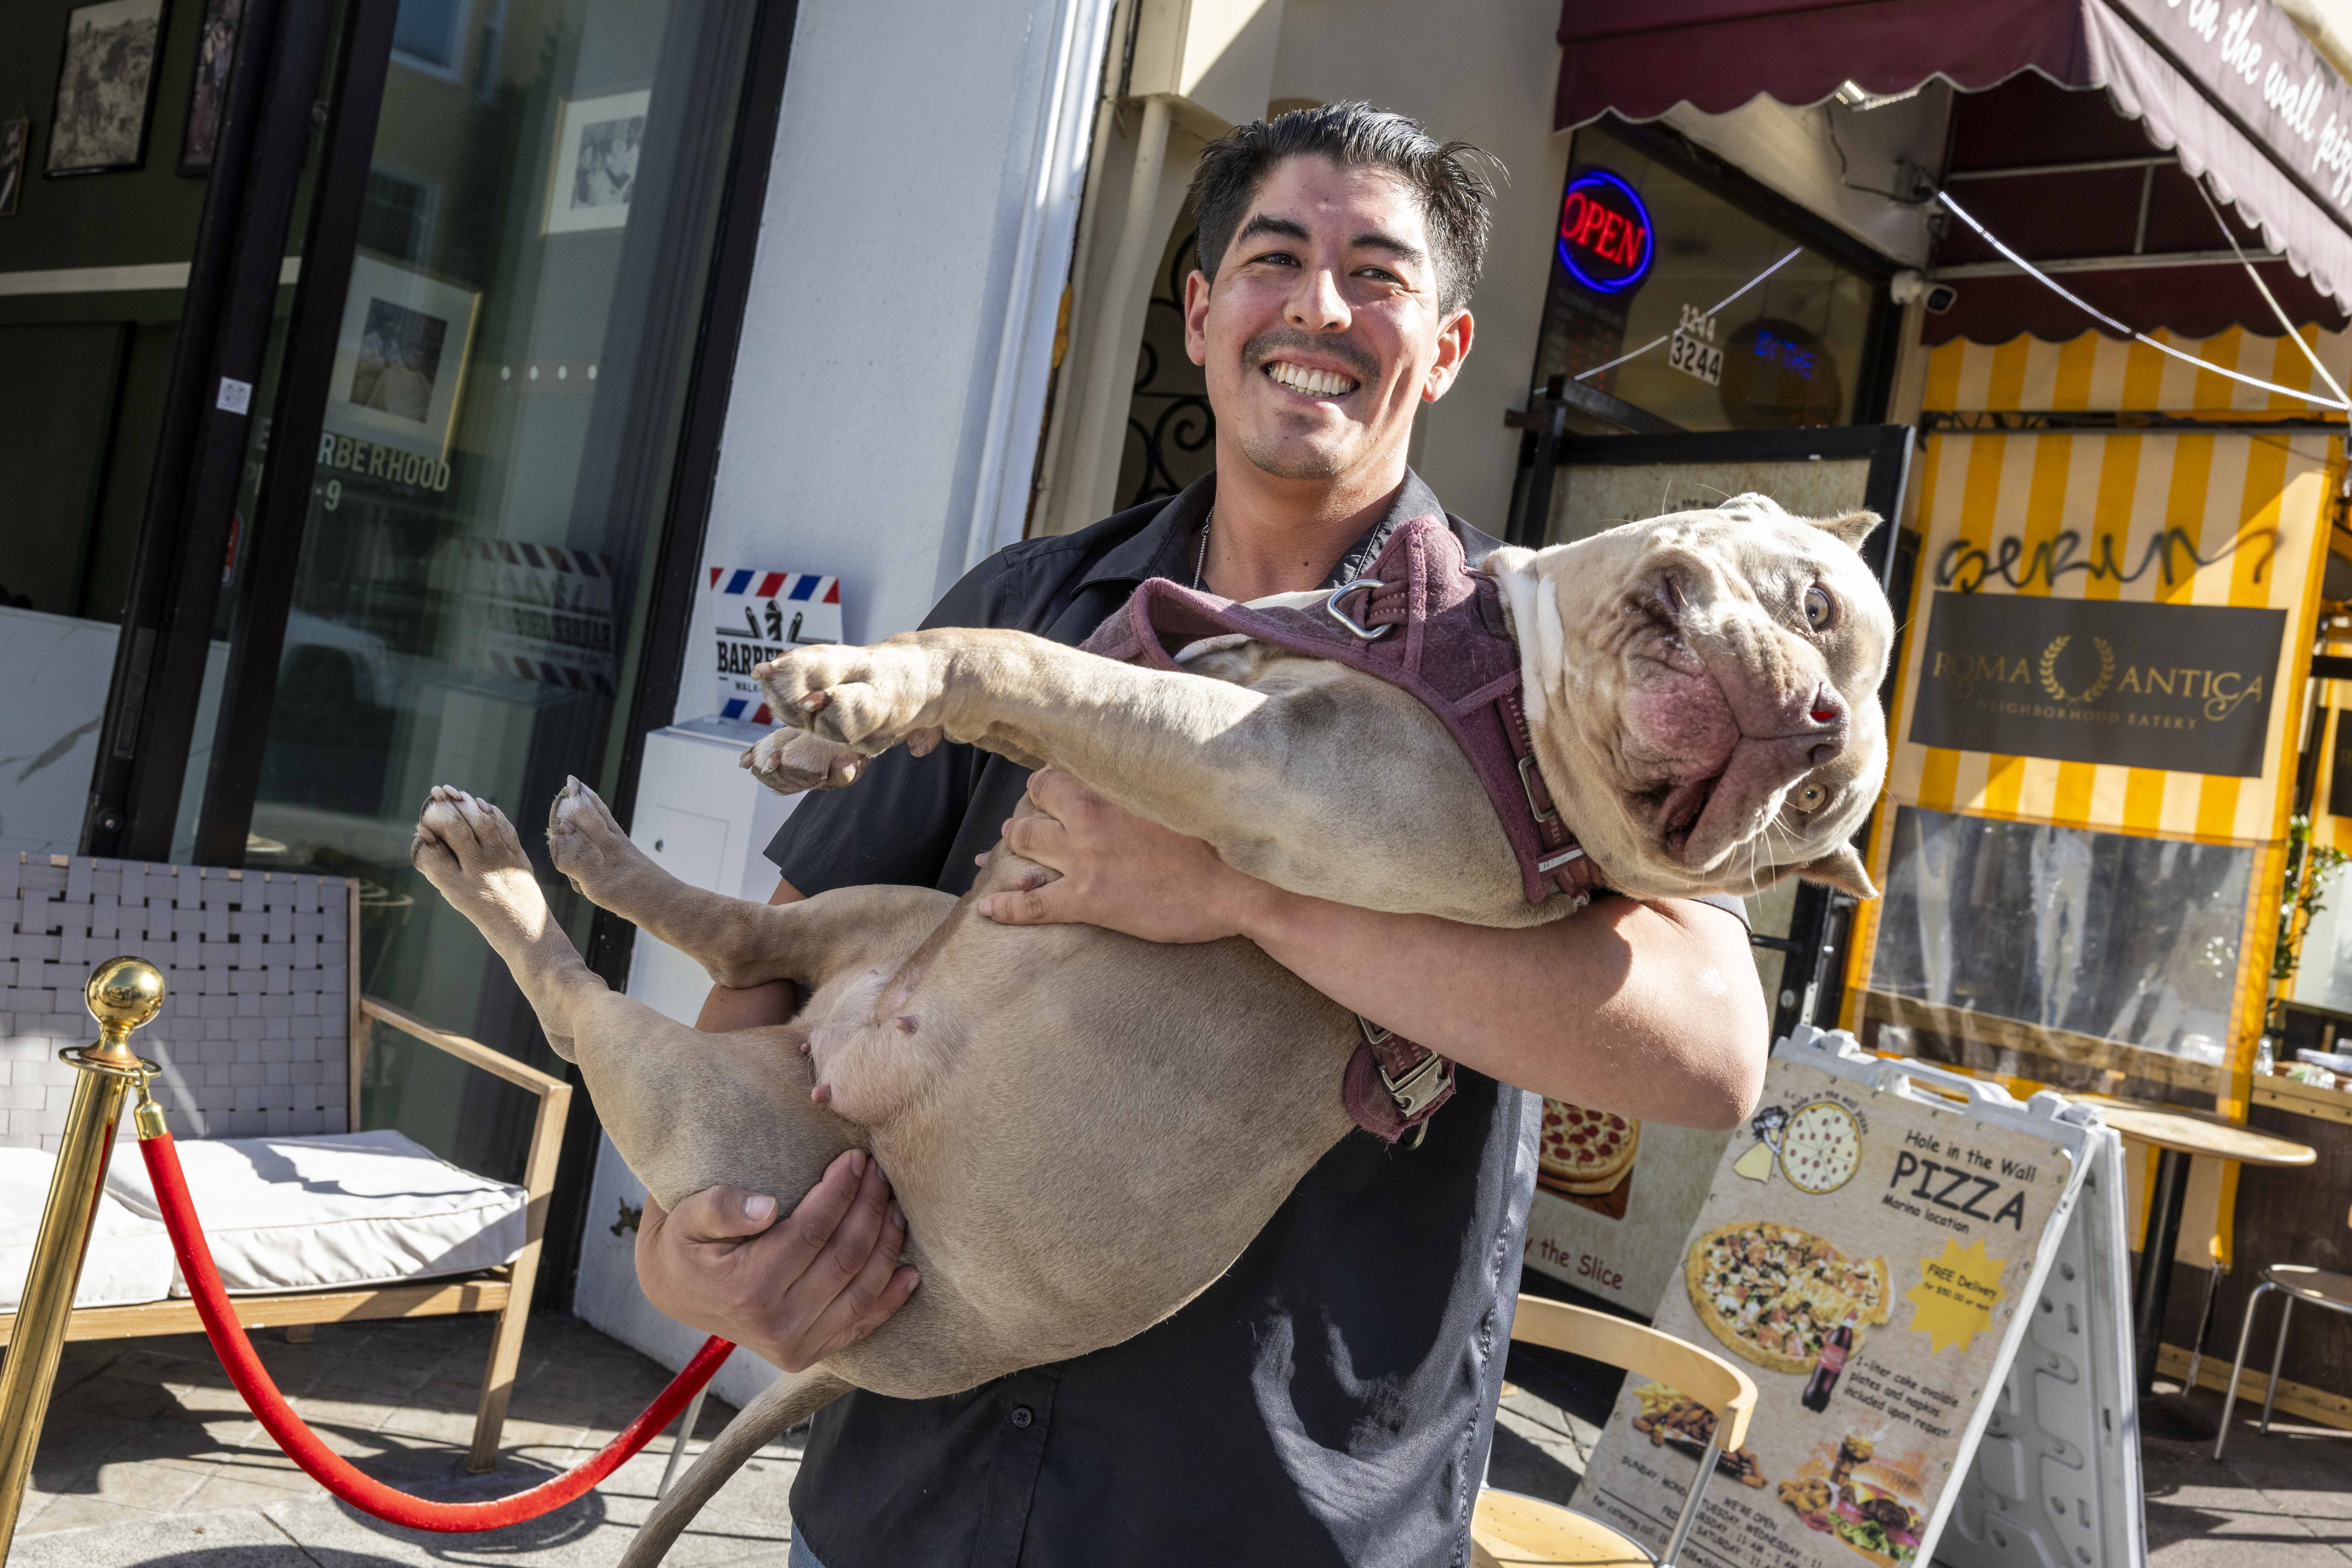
(1707, 684)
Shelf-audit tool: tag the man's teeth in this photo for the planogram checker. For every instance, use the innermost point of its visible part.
(1313, 382)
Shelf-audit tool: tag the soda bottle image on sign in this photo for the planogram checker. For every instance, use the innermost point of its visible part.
(1840, 1345)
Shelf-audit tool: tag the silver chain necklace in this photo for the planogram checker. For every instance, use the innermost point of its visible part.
(1201, 560)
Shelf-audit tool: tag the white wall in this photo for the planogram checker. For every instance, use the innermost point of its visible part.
(49, 711)
(904, 159)
(1484, 72)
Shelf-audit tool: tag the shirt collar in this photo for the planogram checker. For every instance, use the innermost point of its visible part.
(1157, 549)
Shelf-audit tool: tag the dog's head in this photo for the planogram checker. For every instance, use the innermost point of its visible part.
(1704, 693)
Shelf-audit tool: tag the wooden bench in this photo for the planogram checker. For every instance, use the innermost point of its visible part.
(189, 896)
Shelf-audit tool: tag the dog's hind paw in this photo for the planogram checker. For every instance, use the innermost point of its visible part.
(589, 847)
(469, 851)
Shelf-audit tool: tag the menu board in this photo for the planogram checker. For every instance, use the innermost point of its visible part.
(1862, 1255)
(1613, 1199)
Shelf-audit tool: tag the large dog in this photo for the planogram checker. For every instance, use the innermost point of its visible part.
(1702, 692)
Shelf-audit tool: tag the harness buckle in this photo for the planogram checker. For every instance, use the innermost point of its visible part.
(1528, 783)
(1416, 1090)
(1331, 607)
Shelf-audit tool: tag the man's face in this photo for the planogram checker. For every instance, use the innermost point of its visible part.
(1322, 330)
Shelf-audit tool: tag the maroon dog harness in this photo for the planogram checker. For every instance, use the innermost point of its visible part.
(1422, 621)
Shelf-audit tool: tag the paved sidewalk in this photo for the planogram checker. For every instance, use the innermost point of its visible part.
(150, 1457)
(2277, 1500)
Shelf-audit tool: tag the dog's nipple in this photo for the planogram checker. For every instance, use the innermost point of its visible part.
(906, 1026)
(822, 1094)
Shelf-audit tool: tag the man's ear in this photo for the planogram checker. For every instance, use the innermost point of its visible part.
(1841, 869)
(1852, 528)
(1197, 285)
(1453, 348)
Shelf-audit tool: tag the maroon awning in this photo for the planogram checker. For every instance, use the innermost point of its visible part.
(2252, 109)
(1642, 61)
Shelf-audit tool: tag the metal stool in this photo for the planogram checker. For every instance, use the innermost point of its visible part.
(2294, 1282)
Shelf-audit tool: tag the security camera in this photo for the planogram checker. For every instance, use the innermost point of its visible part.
(1937, 297)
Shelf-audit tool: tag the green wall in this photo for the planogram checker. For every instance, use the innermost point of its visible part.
(139, 215)
(83, 374)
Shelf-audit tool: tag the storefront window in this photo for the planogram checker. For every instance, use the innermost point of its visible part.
(489, 490)
(2118, 955)
(1645, 253)
(104, 144)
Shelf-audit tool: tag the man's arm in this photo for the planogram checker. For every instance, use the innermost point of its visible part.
(1651, 1010)
(793, 1292)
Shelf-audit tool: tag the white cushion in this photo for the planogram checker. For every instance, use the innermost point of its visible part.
(129, 1260)
(340, 1210)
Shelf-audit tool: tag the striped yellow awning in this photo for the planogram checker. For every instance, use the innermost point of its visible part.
(2189, 520)
(2202, 519)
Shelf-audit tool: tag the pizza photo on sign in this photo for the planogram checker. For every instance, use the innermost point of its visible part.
(1821, 1147)
(1671, 1418)
(1585, 1152)
(1776, 1295)
(1874, 1506)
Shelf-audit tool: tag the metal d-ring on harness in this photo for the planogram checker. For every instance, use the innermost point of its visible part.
(1331, 608)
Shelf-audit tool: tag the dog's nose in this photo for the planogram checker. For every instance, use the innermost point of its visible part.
(1826, 711)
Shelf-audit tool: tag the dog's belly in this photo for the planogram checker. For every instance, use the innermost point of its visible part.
(1118, 1120)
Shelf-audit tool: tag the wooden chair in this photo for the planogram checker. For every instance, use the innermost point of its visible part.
(1509, 1531)
(506, 1289)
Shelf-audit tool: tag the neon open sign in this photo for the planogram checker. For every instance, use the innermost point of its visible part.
(1605, 239)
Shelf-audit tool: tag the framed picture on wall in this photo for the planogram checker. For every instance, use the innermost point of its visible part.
(15, 137)
(400, 357)
(106, 87)
(208, 97)
(594, 170)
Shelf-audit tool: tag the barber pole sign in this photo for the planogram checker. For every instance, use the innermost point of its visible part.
(755, 616)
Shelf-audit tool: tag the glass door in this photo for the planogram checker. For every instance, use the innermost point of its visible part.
(473, 478)
(148, 182)
(1574, 486)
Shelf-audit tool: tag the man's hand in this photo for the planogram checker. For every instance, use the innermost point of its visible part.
(1118, 871)
(793, 1292)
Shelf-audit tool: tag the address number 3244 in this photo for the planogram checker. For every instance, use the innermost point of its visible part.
(1692, 357)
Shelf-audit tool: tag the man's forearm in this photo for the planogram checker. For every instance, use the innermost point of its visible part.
(1651, 1010)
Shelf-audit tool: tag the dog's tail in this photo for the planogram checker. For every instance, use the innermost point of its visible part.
(788, 1402)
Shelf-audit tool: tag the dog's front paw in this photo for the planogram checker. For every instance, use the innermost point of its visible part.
(868, 698)
(792, 761)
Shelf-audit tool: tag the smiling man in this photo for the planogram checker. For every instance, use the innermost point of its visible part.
(1330, 1400)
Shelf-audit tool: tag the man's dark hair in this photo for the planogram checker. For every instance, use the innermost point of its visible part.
(1354, 136)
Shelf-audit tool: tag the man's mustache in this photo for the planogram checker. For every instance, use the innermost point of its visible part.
(1360, 362)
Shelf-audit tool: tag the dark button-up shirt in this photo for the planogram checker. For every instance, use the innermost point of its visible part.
(1332, 1398)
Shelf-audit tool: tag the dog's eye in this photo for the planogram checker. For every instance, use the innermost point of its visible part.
(1820, 610)
(1810, 797)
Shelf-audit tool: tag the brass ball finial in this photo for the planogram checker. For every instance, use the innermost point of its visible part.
(122, 995)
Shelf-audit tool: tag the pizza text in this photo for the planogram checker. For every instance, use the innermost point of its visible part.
(1958, 1191)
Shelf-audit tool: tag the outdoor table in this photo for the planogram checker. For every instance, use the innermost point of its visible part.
(2180, 1136)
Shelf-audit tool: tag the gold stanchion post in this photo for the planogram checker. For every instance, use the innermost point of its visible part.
(122, 995)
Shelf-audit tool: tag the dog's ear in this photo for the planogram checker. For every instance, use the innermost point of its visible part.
(1850, 527)
(1841, 869)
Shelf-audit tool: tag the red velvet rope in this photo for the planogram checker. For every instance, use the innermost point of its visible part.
(329, 1469)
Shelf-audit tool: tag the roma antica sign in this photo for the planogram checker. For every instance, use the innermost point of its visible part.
(2182, 687)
